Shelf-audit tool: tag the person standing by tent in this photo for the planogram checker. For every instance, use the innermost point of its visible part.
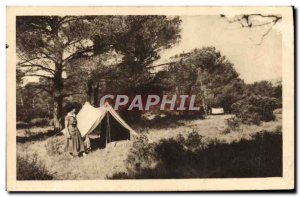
(74, 143)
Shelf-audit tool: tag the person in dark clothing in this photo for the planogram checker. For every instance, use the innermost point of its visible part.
(74, 142)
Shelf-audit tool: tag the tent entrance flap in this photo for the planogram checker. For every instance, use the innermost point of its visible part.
(114, 130)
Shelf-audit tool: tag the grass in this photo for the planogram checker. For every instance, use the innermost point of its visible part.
(104, 163)
(30, 168)
(96, 165)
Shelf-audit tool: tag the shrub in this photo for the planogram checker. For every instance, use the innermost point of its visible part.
(29, 168)
(55, 146)
(197, 157)
(253, 109)
(39, 122)
(233, 123)
(193, 140)
(140, 155)
(170, 153)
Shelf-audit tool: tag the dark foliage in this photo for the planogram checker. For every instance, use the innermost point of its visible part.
(29, 168)
(206, 73)
(198, 157)
(255, 108)
(257, 102)
(32, 103)
(141, 155)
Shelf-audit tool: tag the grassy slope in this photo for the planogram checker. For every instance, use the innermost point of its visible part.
(213, 127)
(102, 163)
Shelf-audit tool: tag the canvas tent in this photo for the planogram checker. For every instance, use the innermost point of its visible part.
(89, 118)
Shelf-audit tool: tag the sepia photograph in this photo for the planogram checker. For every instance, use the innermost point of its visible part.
(116, 99)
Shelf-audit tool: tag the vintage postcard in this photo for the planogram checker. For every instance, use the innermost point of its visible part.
(150, 98)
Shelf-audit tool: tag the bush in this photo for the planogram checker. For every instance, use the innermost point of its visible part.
(140, 155)
(29, 168)
(233, 123)
(226, 131)
(55, 145)
(253, 109)
(197, 157)
(39, 122)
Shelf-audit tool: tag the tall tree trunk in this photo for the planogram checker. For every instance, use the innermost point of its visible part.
(58, 98)
(21, 98)
(96, 95)
(89, 91)
(188, 92)
(57, 113)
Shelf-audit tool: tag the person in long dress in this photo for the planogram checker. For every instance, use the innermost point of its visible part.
(74, 142)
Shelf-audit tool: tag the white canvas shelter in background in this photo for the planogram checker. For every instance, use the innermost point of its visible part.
(217, 111)
(90, 117)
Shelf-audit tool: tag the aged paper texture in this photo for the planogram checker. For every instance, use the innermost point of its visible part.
(150, 98)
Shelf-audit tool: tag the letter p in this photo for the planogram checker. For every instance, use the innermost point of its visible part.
(151, 102)
(118, 103)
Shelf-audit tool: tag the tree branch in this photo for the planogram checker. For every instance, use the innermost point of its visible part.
(38, 66)
(245, 18)
(78, 54)
(38, 75)
(154, 66)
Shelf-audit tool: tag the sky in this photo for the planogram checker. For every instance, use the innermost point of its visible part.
(239, 45)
